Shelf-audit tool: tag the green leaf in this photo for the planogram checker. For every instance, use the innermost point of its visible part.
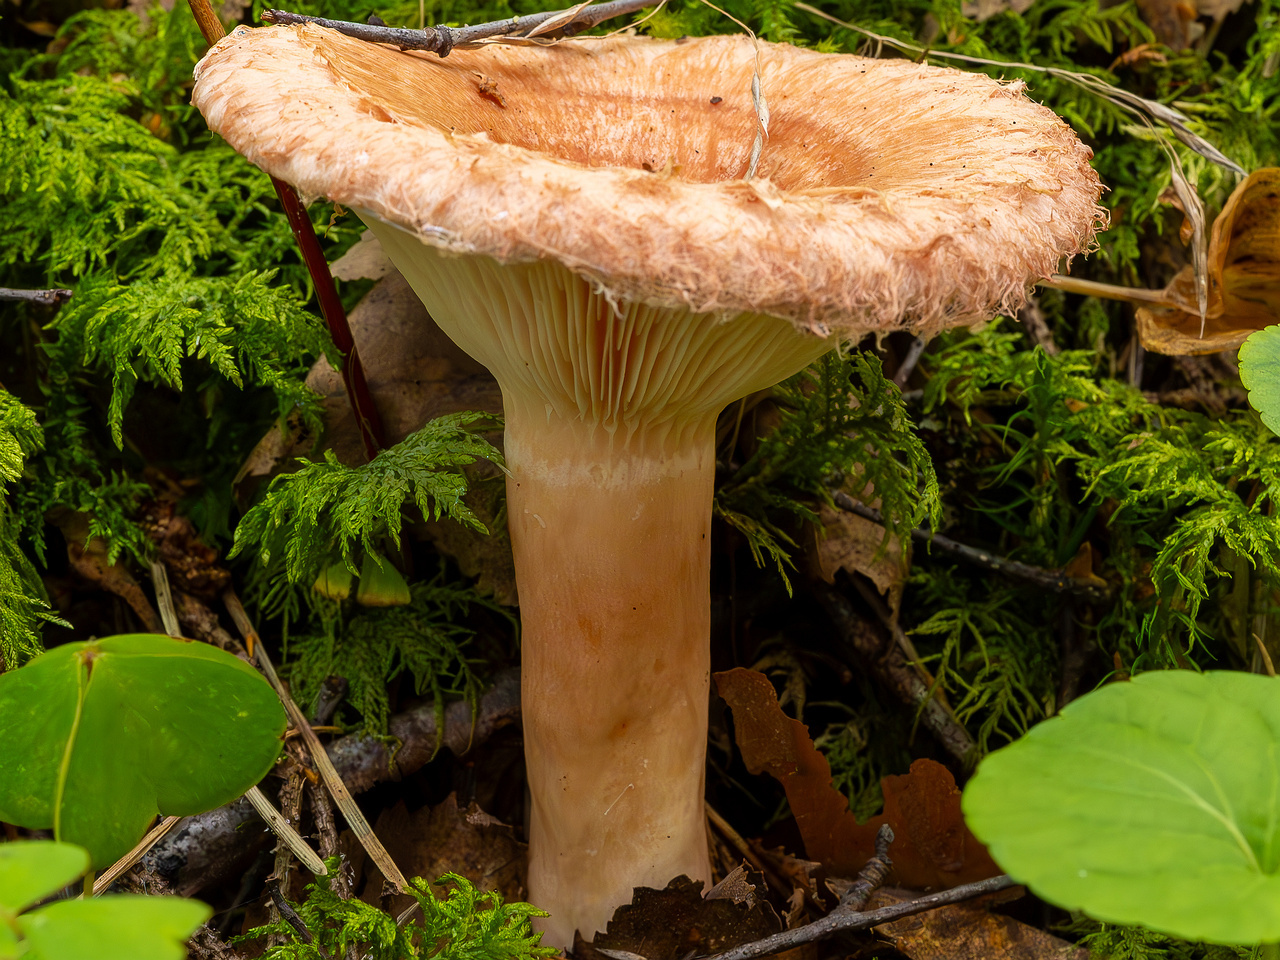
(113, 928)
(32, 869)
(1260, 372)
(100, 737)
(1151, 802)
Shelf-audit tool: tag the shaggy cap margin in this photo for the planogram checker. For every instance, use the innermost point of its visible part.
(891, 194)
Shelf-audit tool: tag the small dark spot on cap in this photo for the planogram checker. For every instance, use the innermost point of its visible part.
(717, 99)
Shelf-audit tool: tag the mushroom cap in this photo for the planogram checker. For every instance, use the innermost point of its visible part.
(889, 194)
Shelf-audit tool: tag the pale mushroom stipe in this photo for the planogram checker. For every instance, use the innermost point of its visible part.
(574, 217)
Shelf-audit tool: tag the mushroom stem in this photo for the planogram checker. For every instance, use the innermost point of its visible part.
(610, 413)
(615, 664)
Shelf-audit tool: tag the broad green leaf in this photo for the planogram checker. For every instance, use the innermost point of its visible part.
(32, 869)
(100, 737)
(1260, 373)
(1153, 802)
(112, 928)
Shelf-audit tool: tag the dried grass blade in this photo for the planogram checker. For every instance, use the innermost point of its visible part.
(337, 789)
(278, 824)
(1174, 120)
(1194, 210)
(283, 829)
(164, 600)
(758, 101)
(558, 21)
(113, 872)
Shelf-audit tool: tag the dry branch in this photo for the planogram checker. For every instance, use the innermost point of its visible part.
(45, 298)
(847, 922)
(1056, 580)
(889, 666)
(441, 40)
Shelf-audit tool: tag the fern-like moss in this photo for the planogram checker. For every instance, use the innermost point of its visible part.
(327, 509)
(459, 923)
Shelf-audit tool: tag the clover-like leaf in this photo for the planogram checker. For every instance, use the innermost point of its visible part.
(100, 737)
(112, 928)
(1152, 802)
(1260, 373)
(30, 870)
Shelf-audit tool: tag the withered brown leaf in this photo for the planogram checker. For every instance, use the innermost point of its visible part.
(933, 848)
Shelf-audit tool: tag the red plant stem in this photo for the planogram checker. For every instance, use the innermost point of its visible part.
(335, 317)
(366, 413)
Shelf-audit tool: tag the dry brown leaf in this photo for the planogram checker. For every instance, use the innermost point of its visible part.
(436, 840)
(364, 260)
(933, 847)
(968, 931)
(89, 559)
(671, 923)
(415, 372)
(1244, 278)
(1172, 21)
(846, 541)
(192, 564)
(985, 9)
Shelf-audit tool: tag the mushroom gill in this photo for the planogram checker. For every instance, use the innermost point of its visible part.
(573, 216)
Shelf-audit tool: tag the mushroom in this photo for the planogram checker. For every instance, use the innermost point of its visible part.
(575, 216)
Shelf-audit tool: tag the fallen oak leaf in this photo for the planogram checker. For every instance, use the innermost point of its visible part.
(667, 924)
(433, 841)
(934, 848)
(969, 931)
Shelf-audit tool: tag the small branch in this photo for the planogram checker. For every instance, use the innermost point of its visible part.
(441, 40)
(890, 667)
(291, 916)
(872, 876)
(45, 298)
(846, 922)
(1055, 580)
(914, 353)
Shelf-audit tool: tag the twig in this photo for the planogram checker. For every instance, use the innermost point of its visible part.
(341, 795)
(45, 298)
(737, 841)
(112, 873)
(890, 667)
(846, 922)
(914, 353)
(1056, 580)
(291, 916)
(872, 876)
(441, 40)
(335, 316)
(290, 801)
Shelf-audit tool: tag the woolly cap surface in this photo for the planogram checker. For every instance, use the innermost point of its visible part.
(889, 194)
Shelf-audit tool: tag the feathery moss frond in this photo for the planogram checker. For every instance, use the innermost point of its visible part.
(326, 508)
